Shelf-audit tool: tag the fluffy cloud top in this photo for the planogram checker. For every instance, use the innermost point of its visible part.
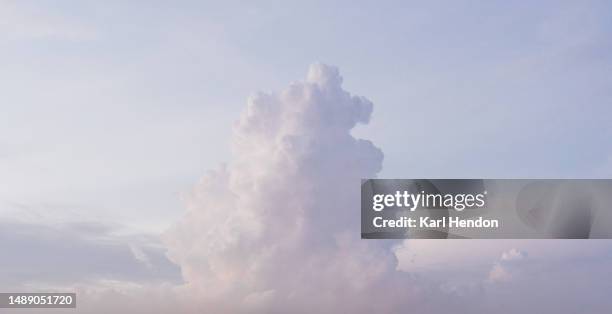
(278, 228)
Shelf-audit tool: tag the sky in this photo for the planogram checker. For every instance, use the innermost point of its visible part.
(113, 113)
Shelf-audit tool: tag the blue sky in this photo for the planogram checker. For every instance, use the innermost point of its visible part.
(106, 103)
(110, 111)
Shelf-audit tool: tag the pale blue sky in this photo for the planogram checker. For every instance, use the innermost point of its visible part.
(111, 109)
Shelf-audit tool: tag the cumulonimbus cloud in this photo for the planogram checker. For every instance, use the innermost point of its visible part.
(277, 229)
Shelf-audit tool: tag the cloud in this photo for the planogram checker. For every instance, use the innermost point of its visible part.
(277, 229)
(499, 274)
(85, 253)
(507, 267)
(513, 255)
(483, 264)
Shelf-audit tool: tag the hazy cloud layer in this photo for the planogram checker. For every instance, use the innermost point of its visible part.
(38, 256)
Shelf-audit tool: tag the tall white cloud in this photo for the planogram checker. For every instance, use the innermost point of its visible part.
(278, 228)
